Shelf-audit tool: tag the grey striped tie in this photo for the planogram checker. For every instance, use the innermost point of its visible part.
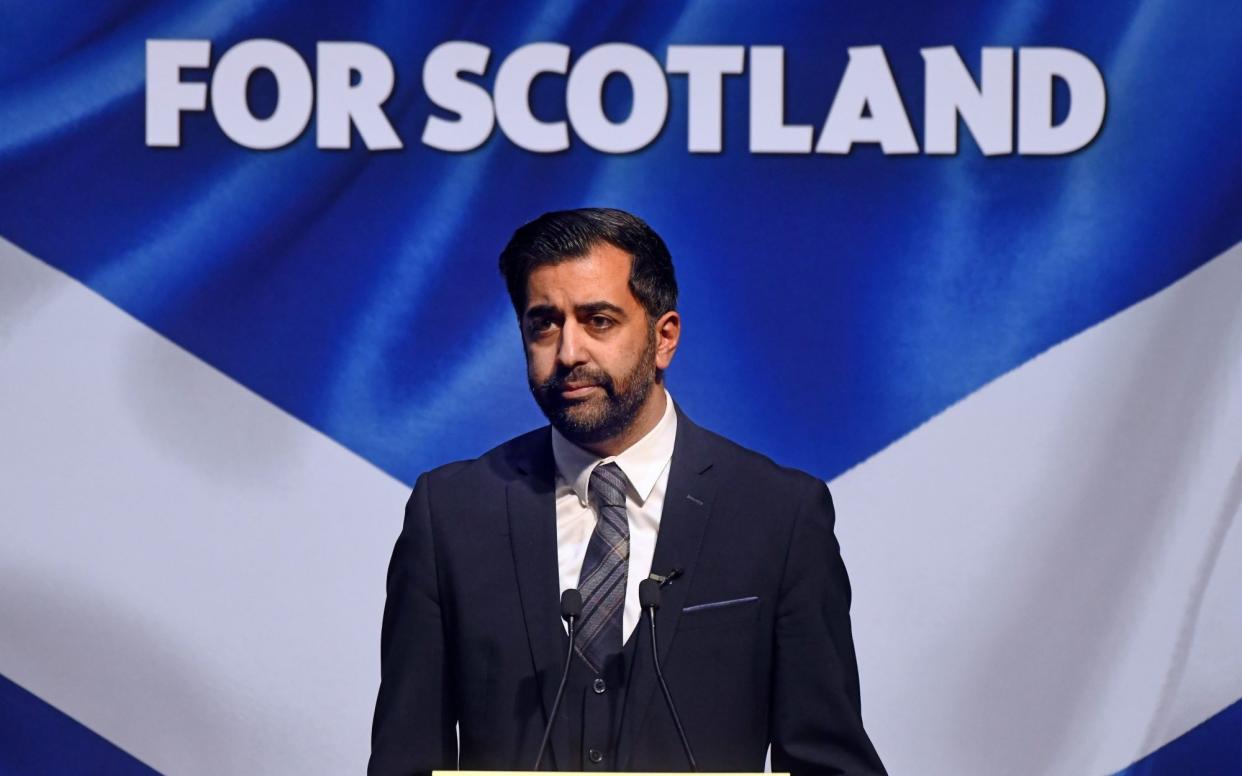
(605, 568)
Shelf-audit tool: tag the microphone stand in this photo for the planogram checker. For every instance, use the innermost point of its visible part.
(649, 597)
(571, 609)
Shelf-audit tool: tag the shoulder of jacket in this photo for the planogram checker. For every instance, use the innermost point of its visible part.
(499, 462)
(746, 463)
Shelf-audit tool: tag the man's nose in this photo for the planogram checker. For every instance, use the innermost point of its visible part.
(572, 349)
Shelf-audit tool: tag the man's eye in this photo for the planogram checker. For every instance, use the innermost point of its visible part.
(541, 325)
(601, 321)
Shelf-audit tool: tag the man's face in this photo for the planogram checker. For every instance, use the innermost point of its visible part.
(591, 354)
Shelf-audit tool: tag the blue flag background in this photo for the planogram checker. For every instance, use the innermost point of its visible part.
(832, 304)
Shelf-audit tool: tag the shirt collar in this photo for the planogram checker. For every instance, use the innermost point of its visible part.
(642, 462)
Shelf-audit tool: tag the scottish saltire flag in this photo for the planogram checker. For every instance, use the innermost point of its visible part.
(225, 359)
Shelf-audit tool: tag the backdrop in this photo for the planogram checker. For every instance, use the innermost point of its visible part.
(221, 368)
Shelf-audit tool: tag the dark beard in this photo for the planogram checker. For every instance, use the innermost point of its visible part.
(589, 425)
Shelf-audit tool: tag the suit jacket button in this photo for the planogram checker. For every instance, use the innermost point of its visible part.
(596, 756)
(599, 686)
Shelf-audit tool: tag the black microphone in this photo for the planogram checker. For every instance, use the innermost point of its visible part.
(649, 599)
(571, 610)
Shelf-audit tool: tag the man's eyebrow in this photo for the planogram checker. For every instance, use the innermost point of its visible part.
(593, 308)
(540, 311)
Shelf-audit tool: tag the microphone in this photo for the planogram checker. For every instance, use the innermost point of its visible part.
(649, 599)
(571, 610)
(666, 579)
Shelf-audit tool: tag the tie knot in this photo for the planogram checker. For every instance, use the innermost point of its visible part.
(607, 485)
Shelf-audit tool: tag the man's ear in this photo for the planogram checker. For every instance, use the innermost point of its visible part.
(667, 334)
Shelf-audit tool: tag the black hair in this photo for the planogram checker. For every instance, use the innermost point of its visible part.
(563, 235)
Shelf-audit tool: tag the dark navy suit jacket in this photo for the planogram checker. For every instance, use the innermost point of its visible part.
(472, 636)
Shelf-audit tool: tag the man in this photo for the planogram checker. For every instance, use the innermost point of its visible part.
(754, 632)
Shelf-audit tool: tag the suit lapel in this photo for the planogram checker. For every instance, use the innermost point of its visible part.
(687, 507)
(532, 532)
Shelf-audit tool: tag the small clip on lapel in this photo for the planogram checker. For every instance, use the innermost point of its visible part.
(665, 579)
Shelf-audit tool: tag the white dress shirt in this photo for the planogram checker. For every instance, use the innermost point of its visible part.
(646, 465)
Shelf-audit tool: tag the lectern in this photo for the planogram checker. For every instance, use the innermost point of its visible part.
(587, 773)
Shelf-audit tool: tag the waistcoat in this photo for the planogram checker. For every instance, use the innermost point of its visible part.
(593, 706)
